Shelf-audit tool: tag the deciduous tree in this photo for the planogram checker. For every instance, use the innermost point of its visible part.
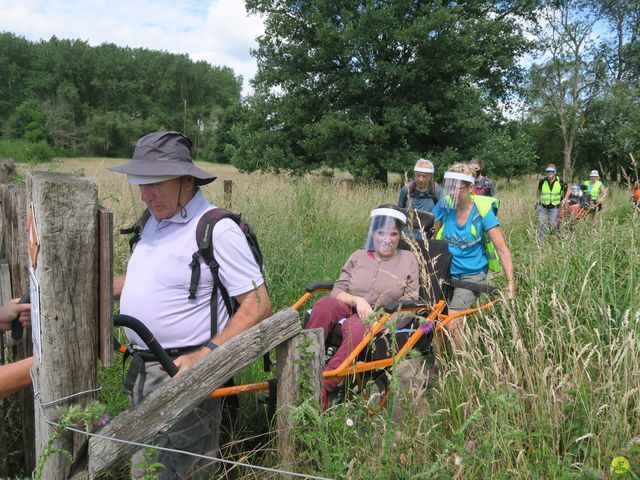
(369, 85)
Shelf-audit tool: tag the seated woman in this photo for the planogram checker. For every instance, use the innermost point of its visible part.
(460, 223)
(371, 278)
(577, 202)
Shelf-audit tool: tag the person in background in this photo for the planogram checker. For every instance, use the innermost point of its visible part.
(635, 194)
(460, 223)
(595, 188)
(549, 198)
(576, 205)
(420, 194)
(371, 278)
(482, 185)
(14, 376)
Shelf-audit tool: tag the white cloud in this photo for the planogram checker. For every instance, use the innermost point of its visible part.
(219, 31)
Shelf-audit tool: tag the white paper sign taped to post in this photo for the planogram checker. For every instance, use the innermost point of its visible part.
(36, 332)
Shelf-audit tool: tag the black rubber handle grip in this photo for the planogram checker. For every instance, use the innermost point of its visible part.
(120, 320)
(16, 328)
(319, 286)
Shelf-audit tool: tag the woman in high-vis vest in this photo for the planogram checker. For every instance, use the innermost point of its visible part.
(596, 189)
(467, 226)
(549, 197)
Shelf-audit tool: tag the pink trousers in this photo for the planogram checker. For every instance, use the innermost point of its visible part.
(326, 313)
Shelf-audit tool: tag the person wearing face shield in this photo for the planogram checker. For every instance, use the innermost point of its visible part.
(371, 277)
(549, 200)
(482, 185)
(422, 193)
(576, 204)
(578, 197)
(460, 222)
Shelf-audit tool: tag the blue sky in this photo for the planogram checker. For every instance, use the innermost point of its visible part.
(218, 31)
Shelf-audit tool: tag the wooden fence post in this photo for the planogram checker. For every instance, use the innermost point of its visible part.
(64, 297)
(295, 375)
(228, 193)
(13, 221)
(7, 169)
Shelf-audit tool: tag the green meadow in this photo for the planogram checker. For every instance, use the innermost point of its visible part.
(547, 388)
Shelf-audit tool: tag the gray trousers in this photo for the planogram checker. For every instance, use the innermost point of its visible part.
(547, 221)
(462, 299)
(198, 432)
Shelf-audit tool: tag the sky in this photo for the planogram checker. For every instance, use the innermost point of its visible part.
(217, 31)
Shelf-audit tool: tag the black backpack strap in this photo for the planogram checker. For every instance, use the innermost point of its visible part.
(204, 240)
(135, 230)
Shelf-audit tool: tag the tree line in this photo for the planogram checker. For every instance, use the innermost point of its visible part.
(367, 86)
(99, 100)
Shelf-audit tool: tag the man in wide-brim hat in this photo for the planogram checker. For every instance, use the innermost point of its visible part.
(156, 289)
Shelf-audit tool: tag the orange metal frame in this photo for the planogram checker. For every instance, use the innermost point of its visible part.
(349, 367)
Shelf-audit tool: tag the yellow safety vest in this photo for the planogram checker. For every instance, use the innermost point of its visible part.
(594, 190)
(483, 204)
(551, 195)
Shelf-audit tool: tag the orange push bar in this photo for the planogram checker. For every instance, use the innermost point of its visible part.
(344, 369)
(236, 389)
(444, 319)
(347, 367)
(301, 300)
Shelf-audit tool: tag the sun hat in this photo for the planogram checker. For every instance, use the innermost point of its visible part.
(594, 173)
(424, 166)
(161, 156)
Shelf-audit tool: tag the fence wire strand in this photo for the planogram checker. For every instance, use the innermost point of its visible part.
(166, 449)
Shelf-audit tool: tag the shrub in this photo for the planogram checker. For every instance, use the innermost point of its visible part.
(26, 151)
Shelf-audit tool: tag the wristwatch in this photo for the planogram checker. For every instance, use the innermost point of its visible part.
(211, 346)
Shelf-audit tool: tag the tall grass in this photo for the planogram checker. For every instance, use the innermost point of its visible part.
(548, 384)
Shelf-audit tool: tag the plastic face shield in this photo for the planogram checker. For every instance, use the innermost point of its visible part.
(384, 231)
(454, 185)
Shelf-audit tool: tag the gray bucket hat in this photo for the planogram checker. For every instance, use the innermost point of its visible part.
(160, 156)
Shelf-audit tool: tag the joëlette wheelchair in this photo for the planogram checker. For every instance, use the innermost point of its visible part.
(382, 347)
(401, 327)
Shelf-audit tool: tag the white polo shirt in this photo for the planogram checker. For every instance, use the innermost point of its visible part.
(156, 289)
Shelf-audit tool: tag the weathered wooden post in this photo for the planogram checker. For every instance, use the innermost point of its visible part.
(64, 297)
(228, 193)
(13, 222)
(7, 169)
(300, 361)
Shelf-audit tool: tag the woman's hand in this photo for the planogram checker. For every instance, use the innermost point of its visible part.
(495, 235)
(359, 304)
(13, 310)
(362, 307)
(509, 294)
